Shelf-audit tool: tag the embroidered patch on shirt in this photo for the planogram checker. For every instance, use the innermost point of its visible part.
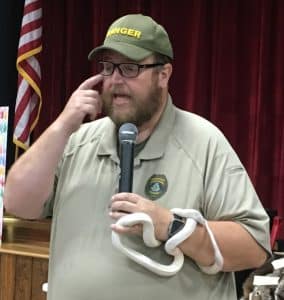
(156, 186)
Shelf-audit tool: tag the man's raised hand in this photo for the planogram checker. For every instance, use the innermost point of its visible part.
(85, 101)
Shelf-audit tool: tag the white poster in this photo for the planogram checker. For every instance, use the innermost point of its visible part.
(3, 151)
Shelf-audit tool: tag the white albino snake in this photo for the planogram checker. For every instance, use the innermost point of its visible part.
(171, 245)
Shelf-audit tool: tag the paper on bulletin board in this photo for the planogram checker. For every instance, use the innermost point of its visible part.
(3, 153)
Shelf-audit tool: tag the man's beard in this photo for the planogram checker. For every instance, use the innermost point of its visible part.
(140, 109)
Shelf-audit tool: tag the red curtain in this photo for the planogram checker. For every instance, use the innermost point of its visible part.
(228, 67)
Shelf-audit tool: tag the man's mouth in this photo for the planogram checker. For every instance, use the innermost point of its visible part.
(120, 99)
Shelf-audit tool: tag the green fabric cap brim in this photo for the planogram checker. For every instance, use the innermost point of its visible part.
(131, 51)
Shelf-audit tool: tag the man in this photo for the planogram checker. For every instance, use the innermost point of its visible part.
(181, 161)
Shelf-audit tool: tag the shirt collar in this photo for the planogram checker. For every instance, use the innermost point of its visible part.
(108, 141)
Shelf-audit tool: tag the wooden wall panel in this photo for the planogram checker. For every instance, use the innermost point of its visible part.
(23, 278)
(7, 278)
(39, 276)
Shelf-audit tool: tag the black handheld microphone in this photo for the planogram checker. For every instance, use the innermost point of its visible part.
(127, 136)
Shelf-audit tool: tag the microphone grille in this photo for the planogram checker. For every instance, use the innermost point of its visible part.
(127, 132)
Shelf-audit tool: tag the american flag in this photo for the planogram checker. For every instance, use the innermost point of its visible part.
(28, 103)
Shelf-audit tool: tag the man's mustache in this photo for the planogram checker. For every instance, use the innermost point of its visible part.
(119, 92)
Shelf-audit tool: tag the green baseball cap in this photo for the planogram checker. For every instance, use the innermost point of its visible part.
(135, 36)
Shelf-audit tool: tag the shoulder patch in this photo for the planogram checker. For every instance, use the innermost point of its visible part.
(156, 186)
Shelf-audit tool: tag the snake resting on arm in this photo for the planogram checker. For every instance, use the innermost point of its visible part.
(171, 245)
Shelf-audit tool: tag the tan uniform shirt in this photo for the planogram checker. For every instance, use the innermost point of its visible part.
(186, 163)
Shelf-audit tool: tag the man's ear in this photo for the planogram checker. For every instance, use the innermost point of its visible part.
(165, 74)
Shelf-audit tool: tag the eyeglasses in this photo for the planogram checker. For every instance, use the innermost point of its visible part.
(129, 70)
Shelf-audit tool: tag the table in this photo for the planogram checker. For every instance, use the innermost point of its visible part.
(24, 257)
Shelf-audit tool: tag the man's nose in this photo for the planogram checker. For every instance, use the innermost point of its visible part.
(116, 76)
